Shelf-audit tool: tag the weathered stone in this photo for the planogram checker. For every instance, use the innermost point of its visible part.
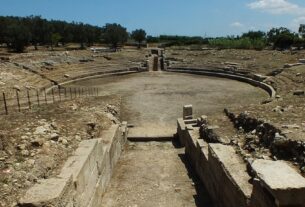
(282, 182)
(188, 112)
(47, 193)
(54, 137)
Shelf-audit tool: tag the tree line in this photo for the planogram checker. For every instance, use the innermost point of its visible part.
(276, 38)
(19, 32)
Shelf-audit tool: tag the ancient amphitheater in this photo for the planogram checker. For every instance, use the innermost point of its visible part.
(155, 128)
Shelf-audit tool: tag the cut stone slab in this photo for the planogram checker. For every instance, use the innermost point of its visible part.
(229, 181)
(50, 192)
(285, 184)
(234, 165)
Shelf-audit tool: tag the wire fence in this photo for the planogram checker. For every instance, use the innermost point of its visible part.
(27, 99)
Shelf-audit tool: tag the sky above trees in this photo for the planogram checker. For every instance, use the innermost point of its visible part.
(181, 17)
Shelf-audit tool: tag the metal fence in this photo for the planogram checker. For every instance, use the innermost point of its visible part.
(26, 99)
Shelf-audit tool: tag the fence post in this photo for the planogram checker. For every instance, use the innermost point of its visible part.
(59, 93)
(70, 89)
(45, 96)
(79, 92)
(37, 94)
(75, 95)
(5, 105)
(18, 101)
(53, 95)
(29, 99)
(65, 92)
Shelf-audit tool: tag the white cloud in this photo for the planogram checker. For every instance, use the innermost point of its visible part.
(277, 7)
(296, 22)
(237, 24)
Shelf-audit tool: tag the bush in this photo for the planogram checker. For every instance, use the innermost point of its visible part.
(284, 41)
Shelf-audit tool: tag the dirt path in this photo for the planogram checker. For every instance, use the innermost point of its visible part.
(154, 174)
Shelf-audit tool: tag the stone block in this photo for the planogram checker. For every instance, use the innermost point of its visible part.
(188, 112)
(285, 184)
(49, 192)
(229, 182)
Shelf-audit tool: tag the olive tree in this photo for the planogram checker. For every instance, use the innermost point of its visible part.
(139, 35)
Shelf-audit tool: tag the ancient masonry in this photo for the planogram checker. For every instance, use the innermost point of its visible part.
(230, 180)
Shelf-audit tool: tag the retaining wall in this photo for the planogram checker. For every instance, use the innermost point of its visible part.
(85, 175)
(97, 75)
(227, 74)
(226, 175)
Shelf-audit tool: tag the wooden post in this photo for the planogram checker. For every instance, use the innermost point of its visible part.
(70, 89)
(37, 94)
(5, 105)
(65, 92)
(59, 93)
(18, 100)
(29, 99)
(45, 96)
(53, 95)
(79, 92)
(75, 95)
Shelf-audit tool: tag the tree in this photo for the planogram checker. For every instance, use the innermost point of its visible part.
(281, 38)
(115, 34)
(302, 30)
(254, 35)
(18, 37)
(55, 38)
(37, 29)
(273, 34)
(284, 41)
(3, 29)
(139, 35)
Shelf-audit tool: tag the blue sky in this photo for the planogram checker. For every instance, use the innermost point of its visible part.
(181, 17)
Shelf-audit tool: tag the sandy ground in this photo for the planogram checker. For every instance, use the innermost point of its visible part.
(161, 178)
(153, 101)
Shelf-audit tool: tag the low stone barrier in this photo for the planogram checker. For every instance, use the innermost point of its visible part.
(231, 182)
(85, 175)
(250, 79)
(96, 75)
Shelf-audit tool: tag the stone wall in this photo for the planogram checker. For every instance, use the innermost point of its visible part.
(247, 78)
(85, 175)
(231, 181)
